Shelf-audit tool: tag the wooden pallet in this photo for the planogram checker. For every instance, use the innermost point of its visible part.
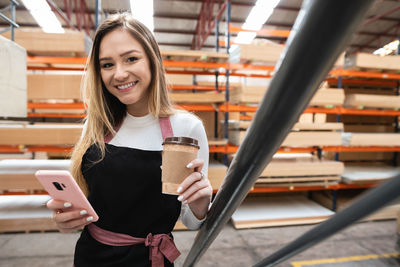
(328, 97)
(39, 43)
(40, 134)
(25, 213)
(367, 175)
(270, 211)
(297, 181)
(371, 139)
(216, 174)
(179, 79)
(328, 126)
(18, 174)
(372, 101)
(297, 139)
(295, 167)
(197, 98)
(347, 197)
(194, 55)
(373, 62)
(27, 225)
(54, 86)
(266, 53)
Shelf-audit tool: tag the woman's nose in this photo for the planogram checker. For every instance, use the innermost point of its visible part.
(120, 73)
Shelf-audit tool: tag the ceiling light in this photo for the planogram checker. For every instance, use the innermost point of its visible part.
(387, 49)
(43, 15)
(258, 15)
(143, 12)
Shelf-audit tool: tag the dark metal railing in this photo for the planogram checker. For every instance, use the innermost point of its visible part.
(368, 203)
(320, 33)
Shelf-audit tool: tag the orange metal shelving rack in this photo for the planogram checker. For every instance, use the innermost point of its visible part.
(202, 68)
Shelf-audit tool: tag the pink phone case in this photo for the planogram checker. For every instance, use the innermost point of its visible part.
(62, 186)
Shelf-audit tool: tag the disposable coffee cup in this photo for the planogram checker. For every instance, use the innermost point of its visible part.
(177, 153)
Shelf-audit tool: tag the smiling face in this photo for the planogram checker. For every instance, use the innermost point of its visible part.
(125, 70)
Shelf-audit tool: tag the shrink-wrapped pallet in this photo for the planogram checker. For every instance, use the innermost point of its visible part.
(12, 79)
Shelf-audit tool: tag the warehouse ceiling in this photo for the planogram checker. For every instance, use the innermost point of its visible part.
(175, 21)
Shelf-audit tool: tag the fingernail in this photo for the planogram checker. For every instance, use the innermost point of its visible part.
(89, 219)
(67, 204)
(180, 198)
(190, 165)
(83, 212)
(179, 189)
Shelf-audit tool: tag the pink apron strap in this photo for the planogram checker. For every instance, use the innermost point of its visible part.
(109, 136)
(166, 128)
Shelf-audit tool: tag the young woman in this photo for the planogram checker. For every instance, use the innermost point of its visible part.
(117, 161)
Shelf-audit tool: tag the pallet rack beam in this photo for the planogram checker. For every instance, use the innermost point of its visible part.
(224, 149)
(217, 65)
(364, 74)
(227, 107)
(361, 149)
(309, 188)
(22, 149)
(334, 110)
(353, 111)
(261, 32)
(55, 115)
(38, 105)
(196, 87)
(368, 82)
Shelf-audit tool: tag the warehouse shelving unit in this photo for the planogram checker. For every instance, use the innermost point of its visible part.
(211, 67)
(336, 76)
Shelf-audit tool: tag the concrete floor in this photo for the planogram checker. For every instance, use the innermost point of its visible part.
(231, 248)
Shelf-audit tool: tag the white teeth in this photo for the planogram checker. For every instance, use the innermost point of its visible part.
(122, 87)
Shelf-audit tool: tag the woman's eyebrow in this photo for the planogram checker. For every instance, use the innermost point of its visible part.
(121, 55)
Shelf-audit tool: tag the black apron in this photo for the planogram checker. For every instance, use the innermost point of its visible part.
(125, 191)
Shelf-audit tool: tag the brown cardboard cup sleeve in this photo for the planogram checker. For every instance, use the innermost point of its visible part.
(174, 169)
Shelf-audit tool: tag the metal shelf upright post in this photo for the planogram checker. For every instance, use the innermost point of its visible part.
(13, 24)
(228, 40)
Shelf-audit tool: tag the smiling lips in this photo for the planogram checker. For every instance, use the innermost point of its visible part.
(126, 87)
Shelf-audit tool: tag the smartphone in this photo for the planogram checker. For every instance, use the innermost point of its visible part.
(62, 186)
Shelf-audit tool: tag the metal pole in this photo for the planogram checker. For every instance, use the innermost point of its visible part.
(10, 21)
(316, 40)
(13, 7)
(217, 35)
(227, 93)
(98, 10)
(368, 203)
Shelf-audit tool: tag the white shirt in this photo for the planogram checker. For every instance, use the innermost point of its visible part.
(145, 133)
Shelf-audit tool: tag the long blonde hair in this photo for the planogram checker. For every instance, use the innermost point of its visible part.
(104, 111)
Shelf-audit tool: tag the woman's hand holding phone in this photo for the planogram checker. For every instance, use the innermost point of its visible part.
(68, 218)
(71, 209)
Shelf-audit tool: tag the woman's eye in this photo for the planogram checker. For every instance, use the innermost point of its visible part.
(106, 65)
(132, 59)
